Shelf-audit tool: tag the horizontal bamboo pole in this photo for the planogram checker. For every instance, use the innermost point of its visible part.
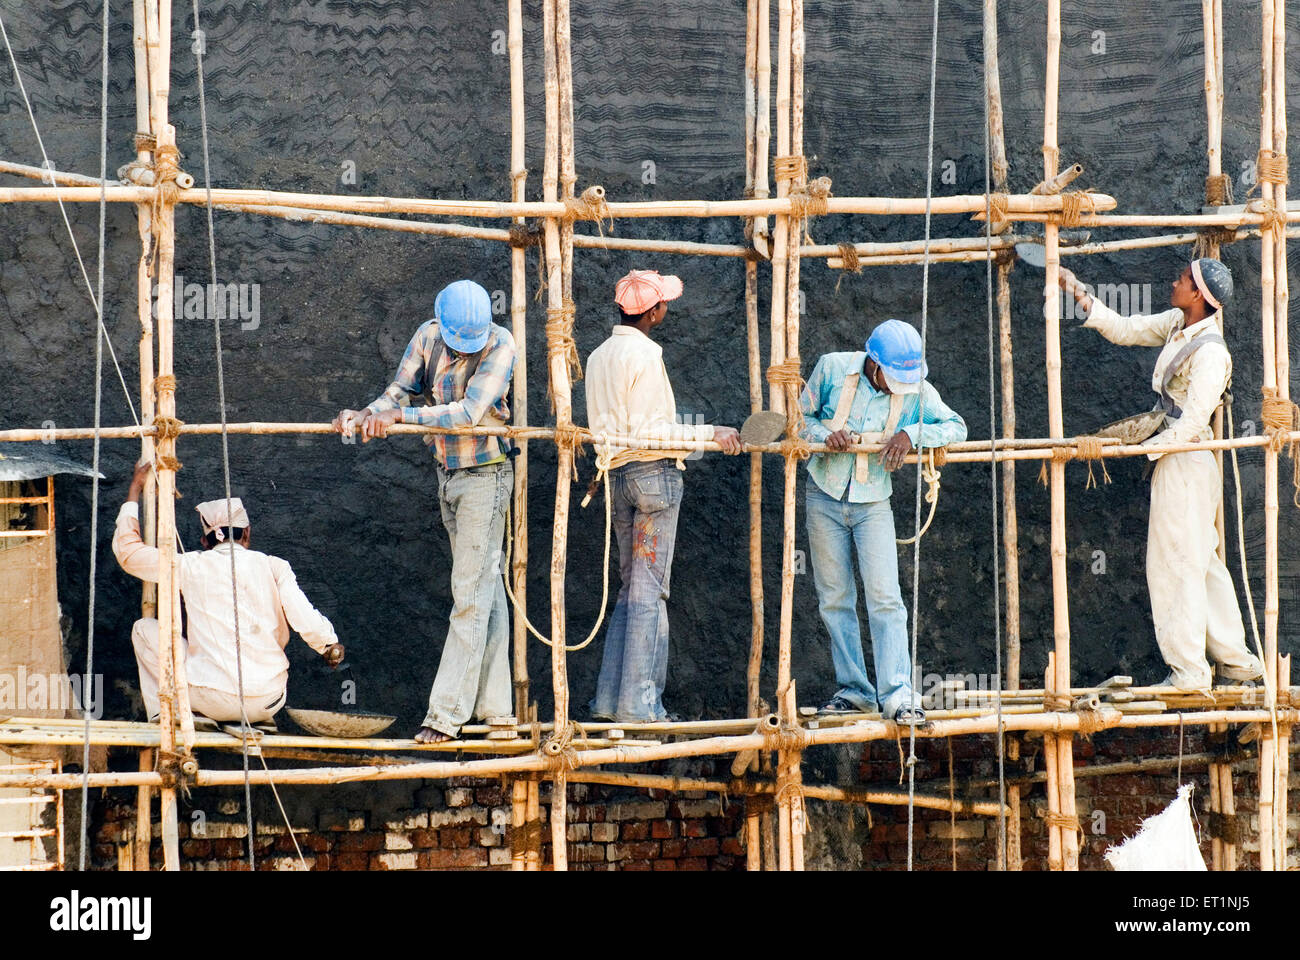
(972, 451)
(1017, 204)
(861, 732)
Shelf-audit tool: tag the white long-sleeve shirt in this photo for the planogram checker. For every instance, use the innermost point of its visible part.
(629, 394)
(270, 601)
(1196, 387)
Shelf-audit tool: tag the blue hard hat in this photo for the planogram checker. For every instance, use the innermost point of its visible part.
(464, 312)
(896, 346)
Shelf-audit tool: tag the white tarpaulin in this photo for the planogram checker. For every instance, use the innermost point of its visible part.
(1166, 841)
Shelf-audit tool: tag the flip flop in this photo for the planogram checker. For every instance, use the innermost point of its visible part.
(766, 426)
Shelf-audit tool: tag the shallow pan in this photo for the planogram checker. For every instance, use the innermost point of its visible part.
(344, 726)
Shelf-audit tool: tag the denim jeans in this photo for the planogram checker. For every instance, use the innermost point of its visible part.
(646, 499)
(474, 674)
(835, 528)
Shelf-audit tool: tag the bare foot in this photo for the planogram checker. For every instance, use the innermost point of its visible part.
(430, 735)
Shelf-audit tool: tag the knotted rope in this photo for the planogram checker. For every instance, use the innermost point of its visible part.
(850, 262)
(790, 167)
(786, 373)
(1073, 203)
(1271, 167)
(167, 428)
(937, 457)
(560, 342)
(1218, 190)
(1280, 416)
(145, 142)
(590, 205)
(559, 752)
(1218, 193)
(523, 235)
(1273, 220)
(1054, 702)
(810, 200)
(1085, 448)
(164, 384)
(999, 208)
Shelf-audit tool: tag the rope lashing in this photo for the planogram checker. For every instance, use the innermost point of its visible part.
(850, 262)
(1218, 193)
(1084, 448)
(1280, 416)
(999, 205)
(167, 428)
(1218, 190)
(1273, 219)
(590, 205)
(164, 384)
(559, 338)
(572, 436)
(1271, 167)
(1224, 826)
(523, 235)
(1056, 702)
(786, 373)
(790, 167)
(1073, 203)
(810, 200)
(172, 464)
(1064, 822)
(145, 142)
(936, 457)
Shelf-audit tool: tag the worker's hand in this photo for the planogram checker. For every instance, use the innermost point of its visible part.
(139, 478)
(1071, 285)
(899, 446)
(1067, 279)
(839, 440)
(333, 654)
(377, 424)
(347, 420)
(728, 438)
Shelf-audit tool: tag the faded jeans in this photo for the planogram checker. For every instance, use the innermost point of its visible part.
(646, 499)
(474, 674)
(835, 528)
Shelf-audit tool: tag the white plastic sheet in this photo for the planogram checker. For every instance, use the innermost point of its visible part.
(1166, 841)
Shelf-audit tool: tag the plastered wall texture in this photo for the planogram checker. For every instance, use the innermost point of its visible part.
(416, 97)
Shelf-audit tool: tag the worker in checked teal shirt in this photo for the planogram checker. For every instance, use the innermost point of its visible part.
(460, 362)
(879, 394)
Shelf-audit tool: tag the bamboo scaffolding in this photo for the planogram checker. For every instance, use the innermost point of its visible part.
(1011, 856)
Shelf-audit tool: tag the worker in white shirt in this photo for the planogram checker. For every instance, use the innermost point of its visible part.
(270, 602)
(629, 395)
(1193, 602)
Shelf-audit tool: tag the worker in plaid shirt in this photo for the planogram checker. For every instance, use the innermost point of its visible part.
(461, 362)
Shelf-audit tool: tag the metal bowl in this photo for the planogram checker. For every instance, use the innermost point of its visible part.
(1134, 429)
(344, 726)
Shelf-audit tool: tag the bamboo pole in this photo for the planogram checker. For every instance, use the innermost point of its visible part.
(144, 301)
(1214, 147)
(1267, 283)
(143, 815)
(1019, 206)
(560, 393)
(1281, 299)
(1050, 759)
(1060, 588)
(1010, 526)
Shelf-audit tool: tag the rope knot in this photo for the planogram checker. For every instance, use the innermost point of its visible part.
(1272, 219)
(559, 337)
(1089, 448)
(1218, 190)
(1271, 167)
(1073, 203)
(145, 142)
(590, 205)
(524, 235)
(167, 428)
(164, 384)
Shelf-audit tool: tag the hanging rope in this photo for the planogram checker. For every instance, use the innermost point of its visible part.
(160, 156)
(602, 466)
(937, 456)
(925, 316)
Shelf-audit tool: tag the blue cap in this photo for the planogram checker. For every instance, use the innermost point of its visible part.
(1214, 280)
(464, 312)
(896, 346)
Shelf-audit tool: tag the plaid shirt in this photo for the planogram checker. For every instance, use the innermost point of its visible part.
(459, 404)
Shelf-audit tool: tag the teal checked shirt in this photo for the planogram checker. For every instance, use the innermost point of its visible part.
(833, 472)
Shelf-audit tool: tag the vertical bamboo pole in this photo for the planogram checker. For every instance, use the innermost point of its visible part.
(144, 300)
(143, 816)
(1214, 151)
(561, 395)
(1281, 298)
(1216, 804)
(1229, 804)
(762, 149)
(1010, 526)
(1050, 757)
(158, 42)
(1267, 285)
(518, 316)
(778, 402)
(753, 849)
(1051, 295)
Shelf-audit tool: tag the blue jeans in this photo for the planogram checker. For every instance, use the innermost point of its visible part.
(646, 499)
(835, 527)
(474, 674)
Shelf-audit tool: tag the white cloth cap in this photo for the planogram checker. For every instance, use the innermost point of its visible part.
(897, 386)
(214, 516)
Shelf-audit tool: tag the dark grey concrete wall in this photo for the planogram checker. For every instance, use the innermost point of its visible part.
(414, 95)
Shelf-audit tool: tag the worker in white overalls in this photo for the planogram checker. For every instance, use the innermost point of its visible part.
(1193, 602)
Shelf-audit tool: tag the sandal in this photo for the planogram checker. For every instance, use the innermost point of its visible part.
(909, 717)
